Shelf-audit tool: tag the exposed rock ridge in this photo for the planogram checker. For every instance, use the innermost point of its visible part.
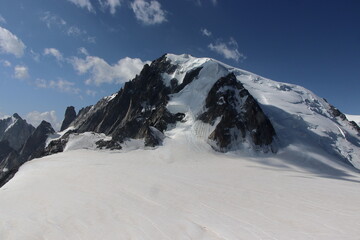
(137, 111)
(11, 160)
(70, 116)
(240, 115)
(15, 131)
(334, 112)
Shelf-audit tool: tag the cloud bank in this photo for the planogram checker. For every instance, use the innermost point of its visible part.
(83, 4)
(21, 72)
(10, 43)
(35, 118)
(101, 72)
(55, 53)
(60, 85)
(228, 50)
(149, 13)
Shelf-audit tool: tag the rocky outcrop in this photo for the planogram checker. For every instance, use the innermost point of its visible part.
(8, 162)
(138, 110)
(70, 116)
(336, 113)
(189, 77)
(240, 116)
(58, 145)
(15, 131)
(35, 144)
(11, 160)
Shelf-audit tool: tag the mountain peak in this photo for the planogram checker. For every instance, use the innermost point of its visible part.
(174, 93)
(17, 116)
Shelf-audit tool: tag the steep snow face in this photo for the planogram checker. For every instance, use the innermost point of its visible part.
(192, 98)
(300, 118)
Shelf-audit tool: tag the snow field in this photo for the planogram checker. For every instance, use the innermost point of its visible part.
(175, 192)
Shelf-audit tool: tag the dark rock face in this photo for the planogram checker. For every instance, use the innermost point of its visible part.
(337, 113)
(137, 111)
(58, 145)
(15, 130)
(240, 114)
(189, 77)
(70, 116)
(8, 162)
(355, 126)
(11, 160)
(35, 145)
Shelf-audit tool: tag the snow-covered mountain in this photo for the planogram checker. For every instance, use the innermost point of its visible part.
(15, 131)
(229, 108)
(200, 150)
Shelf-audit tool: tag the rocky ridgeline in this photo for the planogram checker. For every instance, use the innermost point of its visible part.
(33, 146)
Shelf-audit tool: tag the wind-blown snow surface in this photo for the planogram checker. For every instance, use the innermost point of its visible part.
(177, 191)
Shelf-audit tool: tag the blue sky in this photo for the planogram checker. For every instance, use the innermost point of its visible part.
(56, 53)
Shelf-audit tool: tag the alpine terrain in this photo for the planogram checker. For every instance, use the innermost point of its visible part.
(191, 148)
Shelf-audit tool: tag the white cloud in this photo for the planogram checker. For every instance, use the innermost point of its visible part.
(199, 3)
(9, 43)
(91, 92)
(83, 4)
(227, 50)
(148, 12)
(2, 19)
(112, 4)
(90, 39)
(101, 72)
(206, 32)
(41, 83)
(35, 55)
(21, 72)
(55, 53)
(75, 31)
(35, 118)
(83, 50)
(51, 19)
(5, 63)
(60, 85)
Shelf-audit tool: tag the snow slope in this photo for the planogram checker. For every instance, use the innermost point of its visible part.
(178, 191)
(300, 118)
